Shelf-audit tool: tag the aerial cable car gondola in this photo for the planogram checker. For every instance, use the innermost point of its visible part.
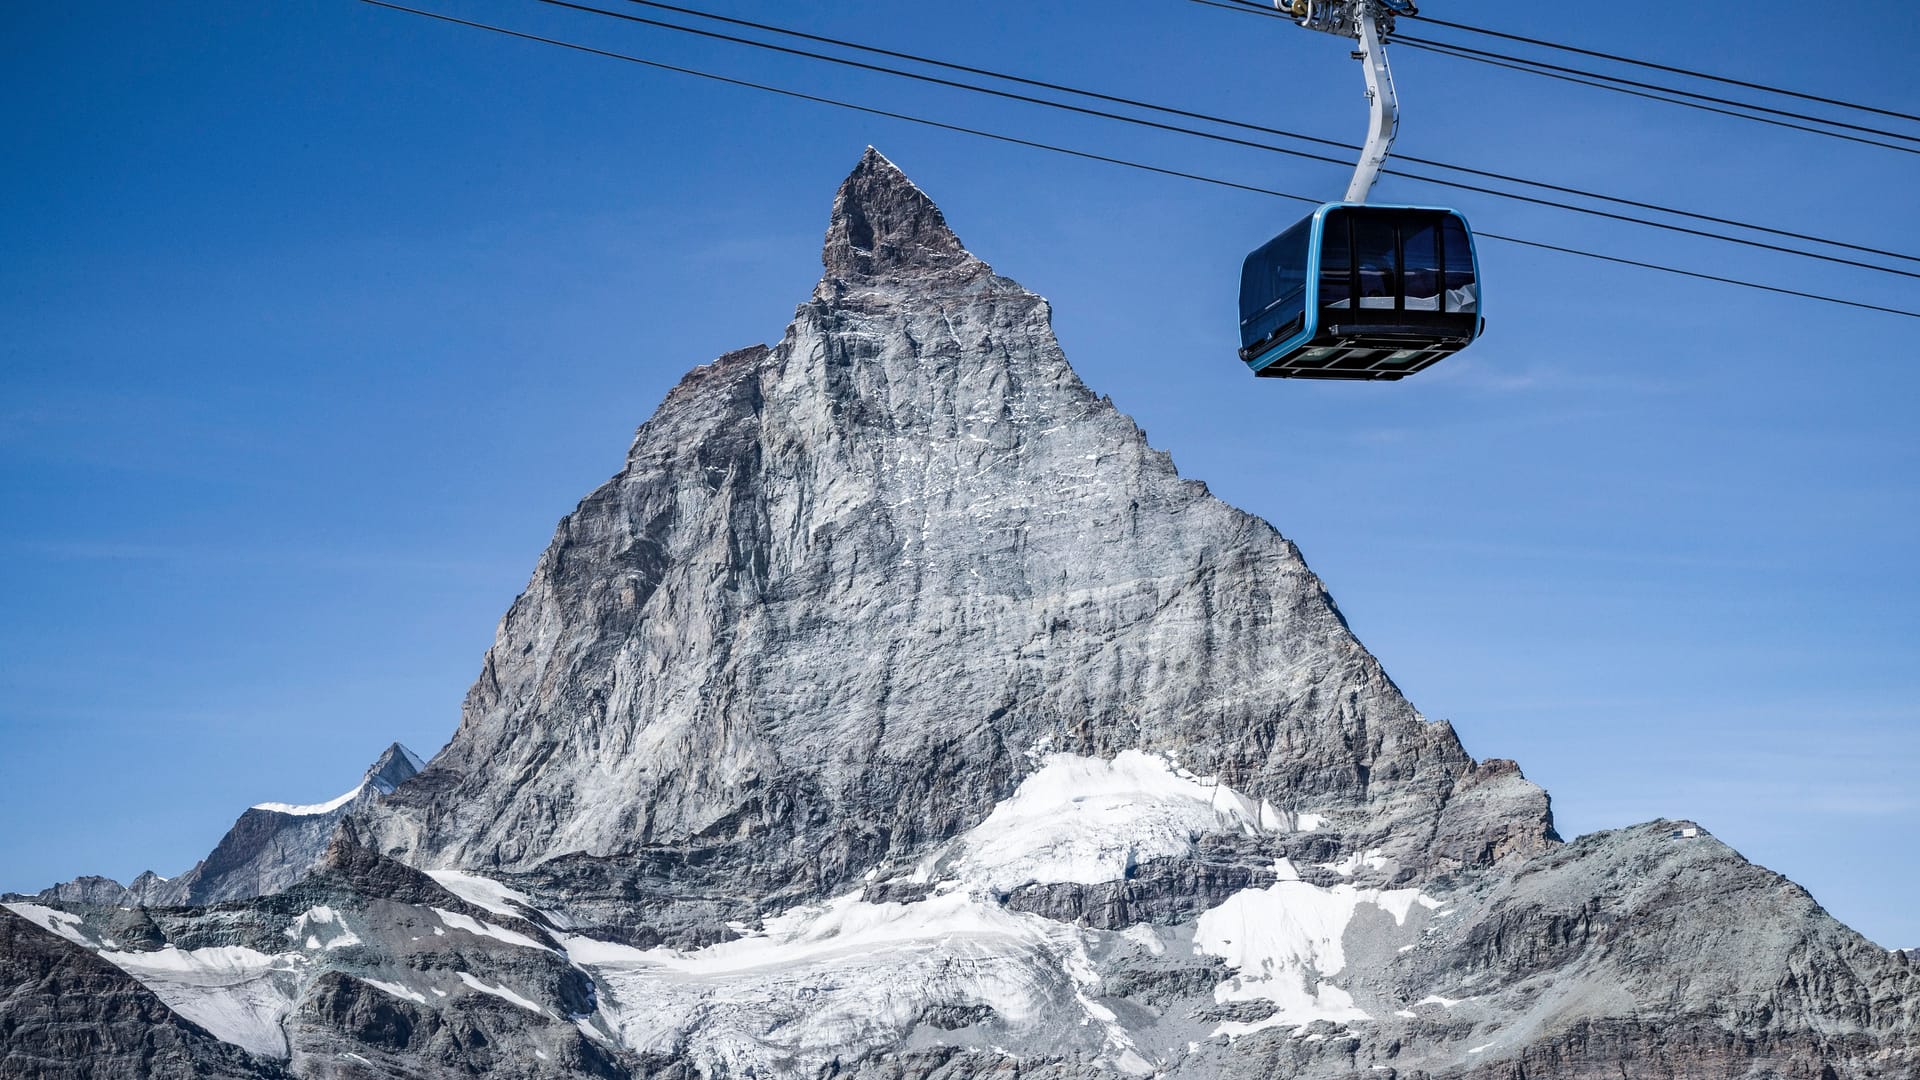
(1355, 290)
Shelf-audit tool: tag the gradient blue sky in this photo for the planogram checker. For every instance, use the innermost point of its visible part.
(314, 318)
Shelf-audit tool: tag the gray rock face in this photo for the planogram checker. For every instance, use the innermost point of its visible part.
(845, 584)
(1675, 955)
(896, 711)
(90, 889)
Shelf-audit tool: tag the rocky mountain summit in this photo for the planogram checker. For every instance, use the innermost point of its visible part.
(897, 711)
(846, 586)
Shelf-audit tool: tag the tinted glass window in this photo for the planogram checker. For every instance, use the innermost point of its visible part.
(1376, 256)
(1336, 261)
(1273, 284)
(1463, 290)
(1420, 247)
(1289, 265)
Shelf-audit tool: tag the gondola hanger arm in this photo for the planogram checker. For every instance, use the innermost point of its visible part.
(1369, 22)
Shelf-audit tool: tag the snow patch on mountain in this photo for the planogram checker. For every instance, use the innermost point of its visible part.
(1286, 943)
(487, 894)
(321, 928)
(824, 980)
(309, 809)
(239, 995)
(1347, 867)
(53, 920)
(453, 920)
(399, 990)
(1086, 820)
(830, 980)
(503, 993)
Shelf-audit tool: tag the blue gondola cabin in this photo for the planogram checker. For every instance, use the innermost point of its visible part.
(1360, 292)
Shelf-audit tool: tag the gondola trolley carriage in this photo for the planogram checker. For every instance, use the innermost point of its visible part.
(1356, 290)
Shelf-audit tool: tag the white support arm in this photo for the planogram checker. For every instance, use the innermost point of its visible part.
(1385, 123)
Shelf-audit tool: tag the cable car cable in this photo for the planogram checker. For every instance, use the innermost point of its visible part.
(1669, 68)
(1613, 83)
(837, 103)
(1258, 8)
(1404, 39)
(1264, 129)
(1229, 139)
(1694, 274)
(1516, 64)
(1087, 155)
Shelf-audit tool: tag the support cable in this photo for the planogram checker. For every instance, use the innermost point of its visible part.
(1517, 64)
(1235, 141)
(1620, 85)
(1086, 155)
(1404, 39)
(1298, 136)
(1689, 72)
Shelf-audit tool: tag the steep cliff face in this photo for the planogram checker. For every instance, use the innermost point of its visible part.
(846, 586)
(896, 711)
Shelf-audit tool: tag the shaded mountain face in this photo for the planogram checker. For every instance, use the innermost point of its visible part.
(65, 1014)
(896, 711)
(847, 588)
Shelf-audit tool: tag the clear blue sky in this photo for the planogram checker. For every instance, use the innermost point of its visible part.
(314, 319)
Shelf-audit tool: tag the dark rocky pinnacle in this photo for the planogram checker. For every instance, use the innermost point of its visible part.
(883, 227)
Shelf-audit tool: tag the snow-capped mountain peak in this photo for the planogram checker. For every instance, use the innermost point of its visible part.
(898, 711)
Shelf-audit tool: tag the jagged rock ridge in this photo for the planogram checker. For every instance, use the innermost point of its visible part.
(270, 847)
